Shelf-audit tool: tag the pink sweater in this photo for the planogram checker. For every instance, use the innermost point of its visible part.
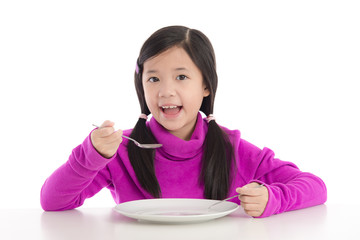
(177, 167)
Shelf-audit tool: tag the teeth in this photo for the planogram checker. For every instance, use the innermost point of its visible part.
(166, 107)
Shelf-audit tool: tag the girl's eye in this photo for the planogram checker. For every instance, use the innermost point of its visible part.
(153, 79)
(181, 77)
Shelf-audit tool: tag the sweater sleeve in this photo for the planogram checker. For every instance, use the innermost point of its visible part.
(82, 176)
(288, 187)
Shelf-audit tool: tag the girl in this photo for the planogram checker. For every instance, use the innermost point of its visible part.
(176, 77)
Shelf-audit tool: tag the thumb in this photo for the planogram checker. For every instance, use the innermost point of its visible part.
(107, 123)
(251, 188)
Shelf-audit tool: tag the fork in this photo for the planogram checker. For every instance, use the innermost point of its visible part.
(140, 145)
(231, 197)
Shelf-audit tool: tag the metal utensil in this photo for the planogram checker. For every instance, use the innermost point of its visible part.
(140, 145)
(237, 195)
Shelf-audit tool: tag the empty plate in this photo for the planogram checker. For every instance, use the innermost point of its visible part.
(175, 209)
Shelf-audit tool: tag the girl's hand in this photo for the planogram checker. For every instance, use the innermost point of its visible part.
(253, 198)
(105, 140)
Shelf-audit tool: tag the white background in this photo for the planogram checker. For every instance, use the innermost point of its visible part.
(288, 74)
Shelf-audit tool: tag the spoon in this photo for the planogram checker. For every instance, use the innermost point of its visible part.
(231, 197)
(140, 145)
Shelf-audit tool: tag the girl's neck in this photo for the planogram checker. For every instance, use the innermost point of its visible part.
(186, 132)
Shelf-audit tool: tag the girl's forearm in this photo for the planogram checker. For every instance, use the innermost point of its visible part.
(74, 181)
(303, 191)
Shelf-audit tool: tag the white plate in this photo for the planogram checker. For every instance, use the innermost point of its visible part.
(175, 209)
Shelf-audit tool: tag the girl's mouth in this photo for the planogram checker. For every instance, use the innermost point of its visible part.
(171, 110)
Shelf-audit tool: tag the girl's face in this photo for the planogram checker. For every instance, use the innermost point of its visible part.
(174, 90)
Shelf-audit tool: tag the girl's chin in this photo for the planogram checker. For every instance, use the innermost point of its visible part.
(171, 127)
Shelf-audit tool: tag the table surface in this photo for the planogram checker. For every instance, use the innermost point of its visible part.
(320, 222)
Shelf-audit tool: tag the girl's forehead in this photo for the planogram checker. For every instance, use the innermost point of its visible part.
(174, 57)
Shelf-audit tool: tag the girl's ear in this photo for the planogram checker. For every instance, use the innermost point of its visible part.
(206, 92)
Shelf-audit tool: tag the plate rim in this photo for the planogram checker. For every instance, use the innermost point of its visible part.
(175, 218)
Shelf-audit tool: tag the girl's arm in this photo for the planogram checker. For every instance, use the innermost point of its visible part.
(82, 176)
(301, 191)
(288, 187)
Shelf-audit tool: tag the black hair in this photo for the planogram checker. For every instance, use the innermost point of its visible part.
(218, 151)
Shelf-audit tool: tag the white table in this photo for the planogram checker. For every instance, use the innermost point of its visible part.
(320, 222)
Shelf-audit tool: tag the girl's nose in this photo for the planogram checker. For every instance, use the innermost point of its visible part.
(167, 89)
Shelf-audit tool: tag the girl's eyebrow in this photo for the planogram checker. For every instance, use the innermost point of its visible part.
(176, 69)
(151, 71)
(181, 69)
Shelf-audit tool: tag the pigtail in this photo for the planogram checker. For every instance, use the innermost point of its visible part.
(217, 163)
(142, 160)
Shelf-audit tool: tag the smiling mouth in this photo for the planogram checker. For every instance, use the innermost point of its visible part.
(170, 110)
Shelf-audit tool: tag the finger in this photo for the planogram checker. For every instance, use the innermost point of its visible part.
(250, 206)
(107, 123)
(105, 131)
(251, 209)
(252, 189)
(251, 199)
(253, 185)
(253, 213)
(250, 185)
(115, 137)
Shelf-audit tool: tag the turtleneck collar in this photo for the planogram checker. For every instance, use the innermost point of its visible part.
(175, 148)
